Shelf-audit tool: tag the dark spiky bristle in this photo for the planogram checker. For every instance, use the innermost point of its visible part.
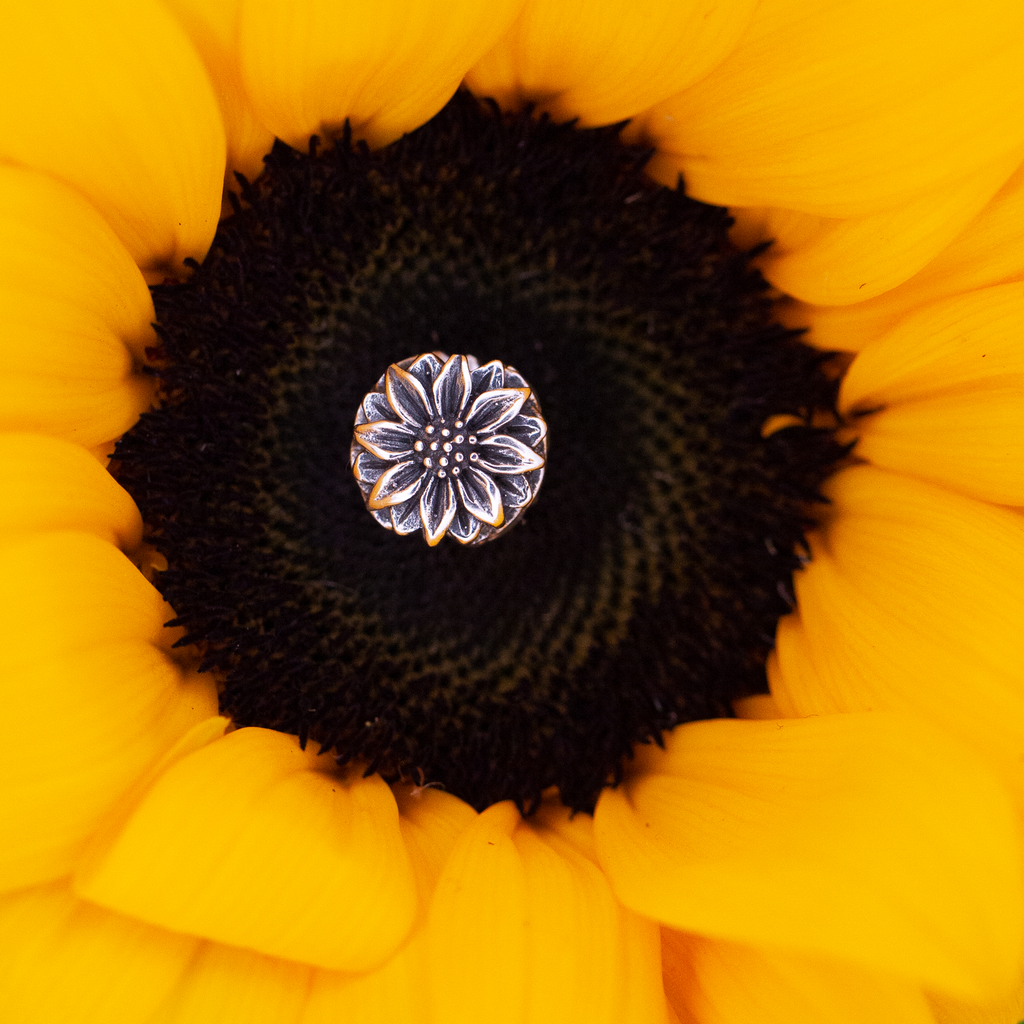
(641, 589)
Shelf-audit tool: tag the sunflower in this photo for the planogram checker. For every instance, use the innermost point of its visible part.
(845, 847)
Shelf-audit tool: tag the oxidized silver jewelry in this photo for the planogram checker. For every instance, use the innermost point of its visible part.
(450, 446)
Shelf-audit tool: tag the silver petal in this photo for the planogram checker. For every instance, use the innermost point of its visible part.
(405, 518)
(464, 526)
(451, 388)
(504, 454)
(386, 440)
(377, 407)
(490, 376)
(397, 484)
(481, 497)
(408, 397)
(437, 509)
(369, 468)
(531, 430)
(513, 378)
(493, 409)
(426, 368)
(515, 491)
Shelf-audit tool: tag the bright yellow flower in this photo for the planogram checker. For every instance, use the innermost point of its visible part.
(848, 850)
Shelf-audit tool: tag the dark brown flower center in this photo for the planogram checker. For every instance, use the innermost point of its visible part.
(639, 591)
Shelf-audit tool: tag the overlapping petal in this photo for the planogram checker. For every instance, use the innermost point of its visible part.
(867, 838)
(831, 261)
(228, 985)
(493, 409)
(247, 839)
(466, 526)
(79, 729)
(385, 439)
(437, 508)
(523, 922)
(121, 109)
(63, 959)
(996, 1011)
(452, 387)
(989, 251)
(50, 484)
(848, 109)
(948, 384)
(405, 518)
(407, 397)
(481, 496)
(377, 407)
(605, 60)
(397, 992)
(67, 591)
(488, 377)
(397, 484)
(715, 982)
(311, 64)
(426, 367)
(531, 430)
(212, 27)
(76, 316)
(515, 491)
(504, 454)
(912, 602)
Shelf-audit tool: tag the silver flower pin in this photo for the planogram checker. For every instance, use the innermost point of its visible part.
(445, 445)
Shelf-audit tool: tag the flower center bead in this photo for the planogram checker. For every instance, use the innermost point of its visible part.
(640, 590)
(408, 448)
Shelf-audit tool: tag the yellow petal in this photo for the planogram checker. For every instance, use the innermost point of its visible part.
(591, 979)
(59, 253)
(62, 959)
(949, 381)
(847, 261)
(387, 67)
(989, 251)
(867, 838)
(140, 133)
(1001, 1011)
(759, 705)
(78, 730)
(212, 26)
(397, 992)
(76, 312)
(63, 592)
(619, 980)
(912, 602)
(478, 942)
(431, 821)
(957, 344)
(49, 484)
(524, 923)
(848, 109)
(227, 985)
(734, 984)
(248, 839)
(606, 60)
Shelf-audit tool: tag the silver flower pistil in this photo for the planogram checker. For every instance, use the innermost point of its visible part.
(446, 445)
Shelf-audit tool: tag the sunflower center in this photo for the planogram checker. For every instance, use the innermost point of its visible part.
(643, 586)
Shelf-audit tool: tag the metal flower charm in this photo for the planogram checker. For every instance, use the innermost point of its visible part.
(445, 445)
